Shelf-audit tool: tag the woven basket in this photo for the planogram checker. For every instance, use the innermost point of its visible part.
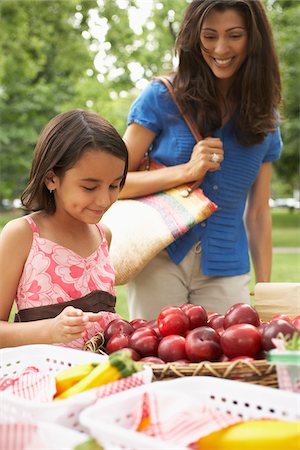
(255, 372)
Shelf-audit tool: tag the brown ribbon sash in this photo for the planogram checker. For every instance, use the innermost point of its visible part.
(95, 301)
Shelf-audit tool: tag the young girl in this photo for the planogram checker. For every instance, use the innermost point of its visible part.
(228, 81)
(54, 262)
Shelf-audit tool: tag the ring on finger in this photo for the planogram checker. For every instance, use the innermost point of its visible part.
(214, 158)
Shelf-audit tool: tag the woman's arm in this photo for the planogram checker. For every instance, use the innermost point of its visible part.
(259, 224)
(138, 140)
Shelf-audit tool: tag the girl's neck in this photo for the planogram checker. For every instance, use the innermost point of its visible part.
(79, 237)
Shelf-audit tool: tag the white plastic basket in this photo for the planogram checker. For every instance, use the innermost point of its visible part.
(110, 421)
(44, 436)
(53, 359)
(19, 431)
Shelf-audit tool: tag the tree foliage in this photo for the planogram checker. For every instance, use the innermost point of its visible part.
(43, 56)
(285, 16)
(98, 54)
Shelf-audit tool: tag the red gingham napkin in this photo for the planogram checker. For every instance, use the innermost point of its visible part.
(284, 378)
(17, 436)
(40, 386)
(31, 384)
(180, 419)
(137, 379)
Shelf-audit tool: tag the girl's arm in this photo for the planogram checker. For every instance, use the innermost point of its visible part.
(15, 243)
(66, 327)
(259, 224)
(138, 140)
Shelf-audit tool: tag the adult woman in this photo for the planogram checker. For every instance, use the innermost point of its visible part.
(227, 79)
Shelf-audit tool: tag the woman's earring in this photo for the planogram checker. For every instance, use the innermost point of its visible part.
(50, 191)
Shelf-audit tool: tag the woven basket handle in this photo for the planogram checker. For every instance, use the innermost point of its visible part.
(189, 121)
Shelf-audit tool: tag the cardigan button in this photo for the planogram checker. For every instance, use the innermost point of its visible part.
(215, 187)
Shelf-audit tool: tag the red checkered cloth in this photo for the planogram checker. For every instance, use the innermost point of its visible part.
(180, 420)
(137, 379)
(31, 384)
(20, 436)
(283, 375)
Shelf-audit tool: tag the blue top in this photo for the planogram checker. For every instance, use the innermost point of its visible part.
(222, 235)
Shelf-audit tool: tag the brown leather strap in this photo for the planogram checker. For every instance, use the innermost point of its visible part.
(95, 301)
(189, 121)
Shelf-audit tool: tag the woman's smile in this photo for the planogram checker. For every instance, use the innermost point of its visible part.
(223, 62)
(224, 42)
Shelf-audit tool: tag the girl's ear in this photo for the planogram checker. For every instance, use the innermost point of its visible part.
(50, 180)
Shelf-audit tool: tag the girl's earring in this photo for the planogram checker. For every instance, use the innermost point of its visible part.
(50, 191)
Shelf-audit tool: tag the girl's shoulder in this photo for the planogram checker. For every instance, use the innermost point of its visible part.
(17, 234)
(18, 226)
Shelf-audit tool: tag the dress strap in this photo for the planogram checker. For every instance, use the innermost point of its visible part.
(32, 224)
(101, 230)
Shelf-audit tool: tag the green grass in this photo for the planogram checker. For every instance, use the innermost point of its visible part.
(286, 228)
(5, 216)
(286, 266)
(121, 306)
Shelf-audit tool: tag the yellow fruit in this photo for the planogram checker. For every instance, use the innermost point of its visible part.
(67, 378)
(100, 375)
(118, 365)
(263, 434)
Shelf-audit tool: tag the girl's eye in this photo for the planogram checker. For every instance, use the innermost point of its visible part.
(235, 36)
(115, 186)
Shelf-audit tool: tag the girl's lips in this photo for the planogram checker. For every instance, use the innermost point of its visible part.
(96, 211)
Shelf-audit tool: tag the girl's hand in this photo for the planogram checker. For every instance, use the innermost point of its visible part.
(95, 317)
(207, 156)
(69, 325)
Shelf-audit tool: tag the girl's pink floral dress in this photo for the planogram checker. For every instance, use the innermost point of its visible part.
(54, 274)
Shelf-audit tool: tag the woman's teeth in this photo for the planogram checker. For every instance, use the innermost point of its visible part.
(223, 62)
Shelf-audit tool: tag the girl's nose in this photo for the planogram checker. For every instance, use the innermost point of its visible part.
(104, 199)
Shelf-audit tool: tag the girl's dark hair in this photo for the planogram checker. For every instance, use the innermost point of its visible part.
(256, 90)
(61, 143)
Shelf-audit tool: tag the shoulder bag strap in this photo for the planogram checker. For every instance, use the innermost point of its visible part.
(189, 121)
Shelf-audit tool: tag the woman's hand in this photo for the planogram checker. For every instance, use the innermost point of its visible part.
(207, 156)
(69, 325)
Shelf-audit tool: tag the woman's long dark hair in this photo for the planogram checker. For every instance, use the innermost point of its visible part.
(61, 143)
(256, 90)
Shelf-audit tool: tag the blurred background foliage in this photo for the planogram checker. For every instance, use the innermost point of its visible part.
(56, 55)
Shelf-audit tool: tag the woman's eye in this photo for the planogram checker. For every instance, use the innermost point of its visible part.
(209, 37)
(89, 188)
(235, 36)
